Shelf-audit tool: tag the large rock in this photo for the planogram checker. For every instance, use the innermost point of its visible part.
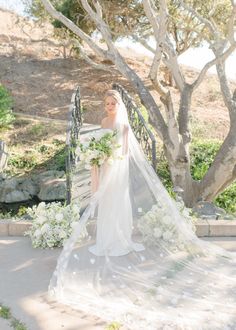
(6, 187)
(52, 189)
(207, 210)
(44, 176)
(17, 196)
(29, 186)
(48, 185)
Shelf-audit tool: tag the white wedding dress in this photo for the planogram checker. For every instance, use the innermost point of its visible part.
(139, 261)
(115, 218)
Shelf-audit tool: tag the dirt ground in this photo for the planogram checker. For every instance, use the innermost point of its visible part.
(41, 81)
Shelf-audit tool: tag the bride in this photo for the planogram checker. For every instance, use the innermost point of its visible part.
(114, 223)
(139, 261)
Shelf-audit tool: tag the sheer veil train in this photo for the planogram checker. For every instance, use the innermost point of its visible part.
(139, 261)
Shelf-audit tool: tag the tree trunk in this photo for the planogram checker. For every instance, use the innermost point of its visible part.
(223, 169)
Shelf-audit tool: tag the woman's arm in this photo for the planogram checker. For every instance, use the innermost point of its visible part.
(95, 169)
(94, 179)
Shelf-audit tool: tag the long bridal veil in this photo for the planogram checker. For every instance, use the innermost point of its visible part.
(134, 258)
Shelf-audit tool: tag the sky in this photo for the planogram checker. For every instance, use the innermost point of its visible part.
(196, 58)
(15, 5)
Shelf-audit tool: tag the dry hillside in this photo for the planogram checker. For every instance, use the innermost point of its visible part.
(41, 81)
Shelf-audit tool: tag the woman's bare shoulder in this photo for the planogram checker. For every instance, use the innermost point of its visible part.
(104, 122)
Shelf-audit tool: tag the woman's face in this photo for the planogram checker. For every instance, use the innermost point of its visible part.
(111, 106)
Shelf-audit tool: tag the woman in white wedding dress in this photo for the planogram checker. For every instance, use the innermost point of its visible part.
(139, 261)
(114, 223)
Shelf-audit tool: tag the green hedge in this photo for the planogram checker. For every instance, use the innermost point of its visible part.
(202, 155)
(6, 116)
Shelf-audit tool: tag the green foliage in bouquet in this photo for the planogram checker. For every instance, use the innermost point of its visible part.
(95, 148)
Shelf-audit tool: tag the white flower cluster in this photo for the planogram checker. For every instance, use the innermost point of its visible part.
(97, 147)
(52, 223)
(158, 225)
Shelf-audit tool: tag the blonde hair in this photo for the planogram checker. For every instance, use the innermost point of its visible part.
(113, 93)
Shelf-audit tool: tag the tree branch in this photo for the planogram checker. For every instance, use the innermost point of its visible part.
(172, 64)
(144, 43)
(152, 17)
(220, 58)
(74, 28)
(231, 21)
(101, 25)
(91, 62)
(203, 20)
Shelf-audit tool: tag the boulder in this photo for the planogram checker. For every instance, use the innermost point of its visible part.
(17, 196)
(47, 186)
(44, 176)
(29, 186)
(52, 189)
(207, 210)
(6, 187)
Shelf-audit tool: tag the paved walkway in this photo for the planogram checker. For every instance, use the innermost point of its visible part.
(24, 276)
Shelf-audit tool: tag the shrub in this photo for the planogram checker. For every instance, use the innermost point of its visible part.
(202, 155)
(164, 174)
(227, 199)
(6, 116)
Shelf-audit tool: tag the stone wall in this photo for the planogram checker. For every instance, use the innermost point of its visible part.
(47, 186)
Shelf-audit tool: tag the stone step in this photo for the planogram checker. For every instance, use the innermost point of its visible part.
(216, 228)
(205, 228)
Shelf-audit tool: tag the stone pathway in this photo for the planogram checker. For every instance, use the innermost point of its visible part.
(24, 277)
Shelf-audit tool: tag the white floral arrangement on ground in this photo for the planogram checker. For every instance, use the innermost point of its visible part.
(52, 223)
(156, 225)
(97, 147)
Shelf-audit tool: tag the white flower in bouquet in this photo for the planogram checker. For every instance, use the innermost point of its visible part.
(154, 208)
(55, 225)
(157, 233)
(110, 161)
(59, 217)
(166, 220)
(75, 208)
(41, 207)
(157, 224)
(167, 235)
(45, 228)
(41, 219)
(97, 147)
(62, 234)
(37, 233)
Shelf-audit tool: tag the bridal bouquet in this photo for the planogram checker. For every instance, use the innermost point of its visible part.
(52, 223)
(97, 147)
